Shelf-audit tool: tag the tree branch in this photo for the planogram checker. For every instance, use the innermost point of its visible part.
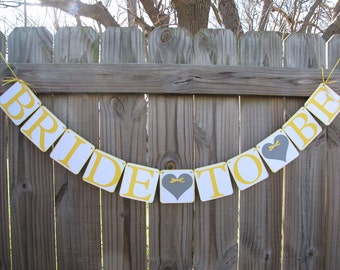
(309, 15)
(97, 11)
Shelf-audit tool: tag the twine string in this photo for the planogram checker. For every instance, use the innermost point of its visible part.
(14, 77)
(329, 77)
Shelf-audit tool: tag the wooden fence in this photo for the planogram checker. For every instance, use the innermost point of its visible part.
(173, 101)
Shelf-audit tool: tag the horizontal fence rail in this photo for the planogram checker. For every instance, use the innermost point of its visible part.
(169, 101)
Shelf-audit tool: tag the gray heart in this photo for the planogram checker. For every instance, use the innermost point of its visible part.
(276, 150)
(177, 186)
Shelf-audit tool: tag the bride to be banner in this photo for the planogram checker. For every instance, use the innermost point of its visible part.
(139, 182)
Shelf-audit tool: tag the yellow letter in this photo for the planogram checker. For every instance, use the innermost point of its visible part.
(74, 148)
(257, 163)
(134, 181)
(99, 156)
(211, 171)
(299, 131)
(322, 106)
(37, 124)
(16, 98)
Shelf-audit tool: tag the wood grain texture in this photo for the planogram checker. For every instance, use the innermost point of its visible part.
(306, 179)
(260, 205)
(5, 260)
(2, 46)
(171, 79)
(30, 172)
(333, 51)
(77, 203)
(30, 45)
(216, 222)
(260, 49)
(171, 147)
(304, 51)
(76, 45)
(215, 47)
(332, 230)
(123, 134)
(216, 133)
(332, 226)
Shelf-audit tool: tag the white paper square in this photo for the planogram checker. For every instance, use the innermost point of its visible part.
(247, 169)
(302, 128)
(213, 181)
(324, 104)
(104, 170)
(277, 150)
(72, 151)
(19, 102)
(139, 183)
(43, 128)
(177, 186)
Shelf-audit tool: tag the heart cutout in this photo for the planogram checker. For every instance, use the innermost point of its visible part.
(177, 186)
(278, 149)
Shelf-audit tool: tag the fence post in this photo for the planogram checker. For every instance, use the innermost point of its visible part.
(171, 147)
(332, 247)
(304, 223)
(4, 215)
(30, 170)
(123, 134)
(77, 202)
(260, 205)
(216, 139)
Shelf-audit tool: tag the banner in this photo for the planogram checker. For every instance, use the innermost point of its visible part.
(139, 182)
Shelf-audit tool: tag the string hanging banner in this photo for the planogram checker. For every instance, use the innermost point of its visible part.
(139, 182)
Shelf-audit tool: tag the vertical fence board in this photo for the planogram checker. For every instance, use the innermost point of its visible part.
(76, 45)
(30, 45)
(4, 215)
(216, 139)
(123, 134)
(77, 203)
(171, 146)
(30, 171)
(304, 226)
(333, 51)
(260, 205)
(332, 231)
(216, 47)
(304, 50)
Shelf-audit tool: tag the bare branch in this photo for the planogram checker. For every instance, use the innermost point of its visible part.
(306, 21)
(266, 8)
(96, 11)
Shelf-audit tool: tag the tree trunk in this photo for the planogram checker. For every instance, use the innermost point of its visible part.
(192, 14)
(230, 17)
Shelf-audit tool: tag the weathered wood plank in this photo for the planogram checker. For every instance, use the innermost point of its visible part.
(332, 232)
(2, 46)
(260, 49)
(304, 51)
(260, 205)
(171, 146)
(123, 134)
(216, 222)
(30, 45)
(77, 203)
(333, 51)
(170, 79)
(5, 260)
(76, 45)
(215, 47)
(306, 177)
(30, 172)
(216, 134)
